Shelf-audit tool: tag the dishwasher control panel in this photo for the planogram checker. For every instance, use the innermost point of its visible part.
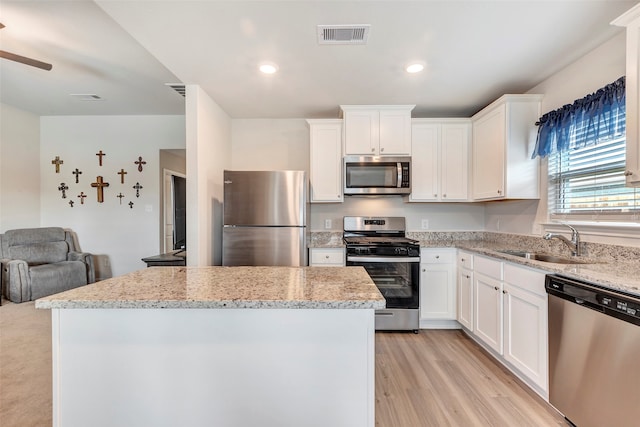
(617, 304)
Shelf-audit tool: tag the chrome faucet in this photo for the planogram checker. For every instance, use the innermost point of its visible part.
(573, 244)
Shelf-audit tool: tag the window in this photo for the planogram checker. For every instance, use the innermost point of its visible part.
(588, 183)
(586, 147)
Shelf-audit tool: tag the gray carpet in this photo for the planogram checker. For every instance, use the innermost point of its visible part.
(25, 366)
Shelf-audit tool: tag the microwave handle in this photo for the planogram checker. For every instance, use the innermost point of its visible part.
(399, 169)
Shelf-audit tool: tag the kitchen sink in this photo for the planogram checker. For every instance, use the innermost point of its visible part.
(545, 257)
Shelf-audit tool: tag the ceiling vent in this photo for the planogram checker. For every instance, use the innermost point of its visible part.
(178, 87)
(343, 34)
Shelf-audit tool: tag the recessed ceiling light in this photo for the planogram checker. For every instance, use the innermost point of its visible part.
(268, 67)
(415, 67)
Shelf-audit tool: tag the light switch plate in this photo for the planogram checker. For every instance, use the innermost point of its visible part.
(327, 224)
(425, 224)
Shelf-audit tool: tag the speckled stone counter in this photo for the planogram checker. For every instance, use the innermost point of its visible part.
(227, 287)
(615, 270)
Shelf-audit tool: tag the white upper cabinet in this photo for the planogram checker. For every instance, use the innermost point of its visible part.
(326, 160)
(377, 130)
(504, 136)
(631, 20)
(440, 160)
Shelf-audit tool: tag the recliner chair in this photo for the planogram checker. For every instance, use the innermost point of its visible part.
(37, 262)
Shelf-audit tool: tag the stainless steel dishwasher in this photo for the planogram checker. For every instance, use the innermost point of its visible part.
(594, 353)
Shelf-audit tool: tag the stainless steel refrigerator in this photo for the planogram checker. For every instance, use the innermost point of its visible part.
(265, 218)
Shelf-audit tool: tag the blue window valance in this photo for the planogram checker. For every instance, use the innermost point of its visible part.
(593, 118)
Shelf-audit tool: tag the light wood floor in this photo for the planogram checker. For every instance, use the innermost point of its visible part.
(442, 378)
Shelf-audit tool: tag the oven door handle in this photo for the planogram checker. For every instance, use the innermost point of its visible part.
(382, 259)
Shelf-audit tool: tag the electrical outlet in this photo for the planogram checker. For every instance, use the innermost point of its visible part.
(327, 224)
(425, 224)
(498, 224)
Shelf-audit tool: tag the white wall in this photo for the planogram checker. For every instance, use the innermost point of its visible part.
(598, 68)
(119, 235)
(19, 169)
(260, 144)
(208, 154)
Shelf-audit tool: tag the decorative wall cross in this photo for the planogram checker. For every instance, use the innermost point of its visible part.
(57, 162)
(122, 173)
(140, 162)
(131, 205)
(100, 154)
(82, 196)
(120, 196)
(71, 203)
(77, 174)
(138, 187)
(63, 187)
(100, 184)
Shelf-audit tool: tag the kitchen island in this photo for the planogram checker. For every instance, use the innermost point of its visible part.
(216, 346)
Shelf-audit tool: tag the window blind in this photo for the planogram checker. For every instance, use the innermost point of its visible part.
(589, 181)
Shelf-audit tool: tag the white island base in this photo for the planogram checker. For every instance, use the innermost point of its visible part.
(213, 367)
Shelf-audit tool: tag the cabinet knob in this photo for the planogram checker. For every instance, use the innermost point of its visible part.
(437, 256)
(504, 292)
(381, 149)
(326, 256)
(373, 150)
(495, 287)
(628, 173)
(462, 259)
(467, 276)
(444, 195)
(499, 191)
(435, 194)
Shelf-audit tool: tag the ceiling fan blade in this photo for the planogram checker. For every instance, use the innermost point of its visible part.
(25, 60)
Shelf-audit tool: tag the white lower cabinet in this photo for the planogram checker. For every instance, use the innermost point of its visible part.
(437, 288)
(510, 317)
(525, 323)
(465, 290)
(326, 257)
(488, 310)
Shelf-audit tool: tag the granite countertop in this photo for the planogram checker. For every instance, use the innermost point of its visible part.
(227, 287)
(617, 275)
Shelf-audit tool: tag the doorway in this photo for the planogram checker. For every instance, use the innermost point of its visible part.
(175, 211)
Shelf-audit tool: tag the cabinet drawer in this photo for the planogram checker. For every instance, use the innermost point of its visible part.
(525, 278)
(487, 266)
(465, 260)
(333, 256)
(436, 256)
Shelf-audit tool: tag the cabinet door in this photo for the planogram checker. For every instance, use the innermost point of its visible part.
(465, 298)
(395, 132)
(631, 20)
(437, 292)
(488, 310)
(425, 164)
(361, 132)
(489, 155)
(454, 148)
(326, 161)
(525, 333)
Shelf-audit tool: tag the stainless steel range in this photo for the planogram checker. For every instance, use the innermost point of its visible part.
(392, 260)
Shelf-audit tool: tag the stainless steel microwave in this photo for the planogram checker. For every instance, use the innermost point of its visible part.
(377, 175)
